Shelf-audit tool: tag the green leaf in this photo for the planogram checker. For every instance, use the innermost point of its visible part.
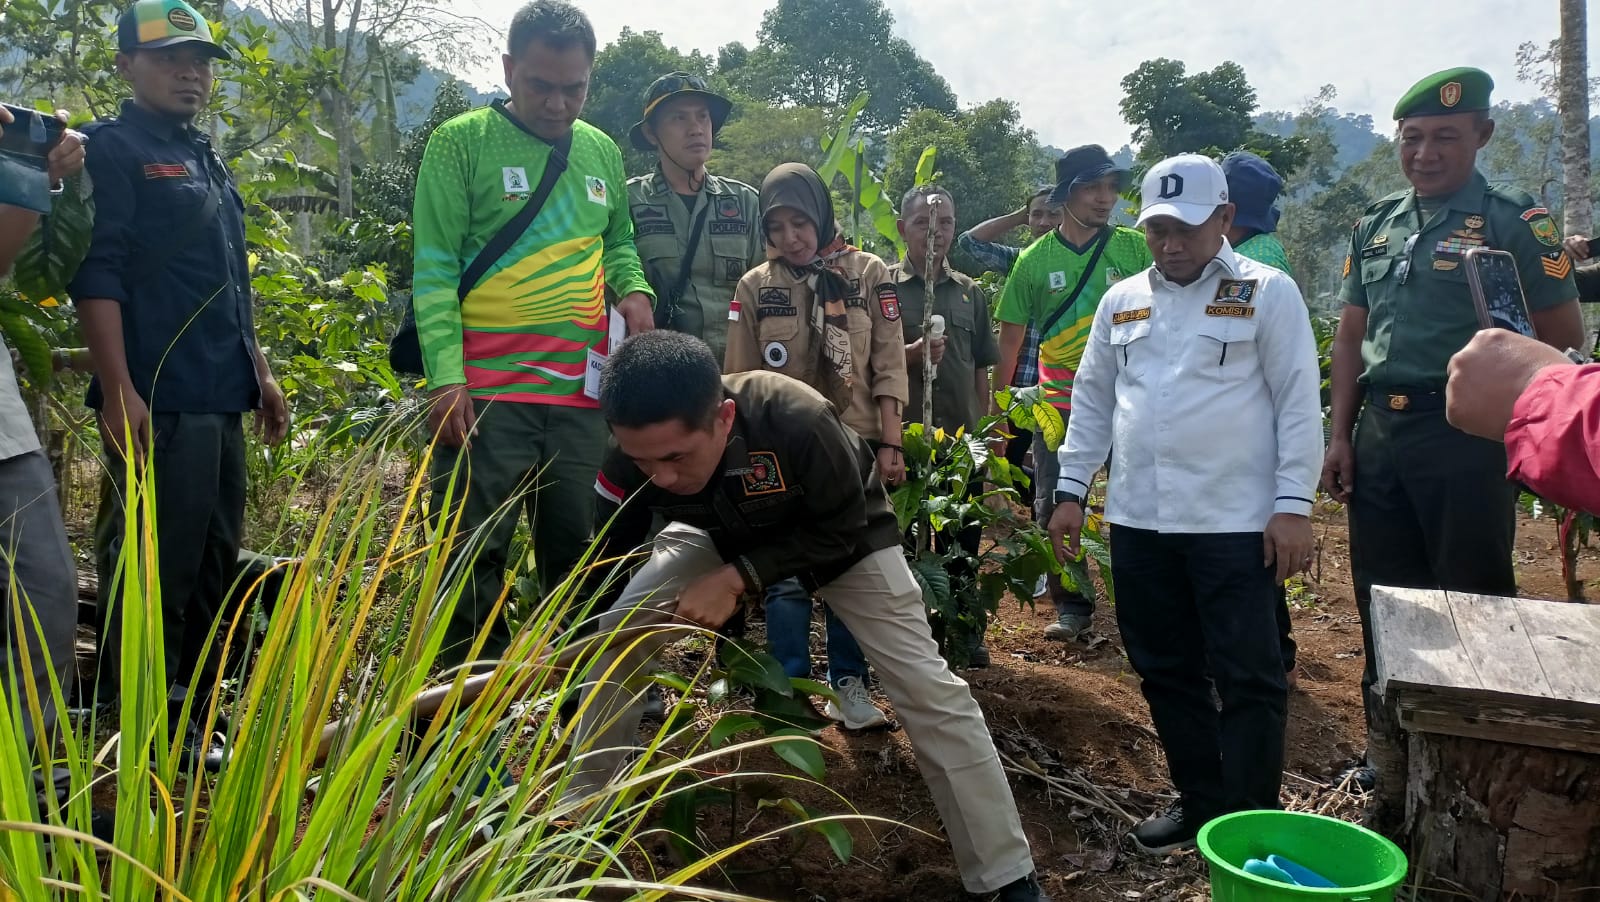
(57, 246)
(801, 752)
(1048, 422)
(35, 351)
(925, 166)
(839, 144)
(731, 725)
(839, 839)
(749, 666)
(934, 579)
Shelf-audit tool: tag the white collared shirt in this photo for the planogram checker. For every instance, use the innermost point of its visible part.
(1208, 397)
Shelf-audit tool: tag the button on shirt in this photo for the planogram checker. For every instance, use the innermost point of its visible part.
(187, 326)
(1207, 396)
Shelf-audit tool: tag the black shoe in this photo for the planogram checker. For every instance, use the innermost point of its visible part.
(103, 824)
(978, 656)
(1166, 832)
(1361, 777)
(1026, 889)
(210, 749)
(655, 705)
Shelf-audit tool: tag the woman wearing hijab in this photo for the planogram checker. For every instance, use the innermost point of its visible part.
(827, 314)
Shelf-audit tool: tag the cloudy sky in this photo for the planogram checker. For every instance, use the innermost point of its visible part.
(1062, 60)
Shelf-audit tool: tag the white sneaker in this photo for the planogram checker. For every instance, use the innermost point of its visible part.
(855, 708)
(1042, 587)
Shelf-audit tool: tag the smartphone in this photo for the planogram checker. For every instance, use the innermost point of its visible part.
(24, 147)
(1497, 291)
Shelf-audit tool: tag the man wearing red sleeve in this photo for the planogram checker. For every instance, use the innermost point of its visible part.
(1523, 392)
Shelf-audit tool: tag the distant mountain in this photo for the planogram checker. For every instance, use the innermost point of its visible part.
(1353, 135)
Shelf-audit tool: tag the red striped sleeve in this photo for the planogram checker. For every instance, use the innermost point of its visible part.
(608, 489)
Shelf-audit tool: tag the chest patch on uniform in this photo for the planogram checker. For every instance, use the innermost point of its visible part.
(1130, 316)
(765, 477)
(1240, 311)
(515, 179)
(651, 220)
(165, 171)
(1446, 265)
(726, 227)
(728, 208)
(1474, 221)
(1237, 291)
(776, 354)
(889, 302)
(732, 269)
(597, 189)
(774, 302)
(1557, 265)
(657, 227)
(1058, 280)
(1459, 242)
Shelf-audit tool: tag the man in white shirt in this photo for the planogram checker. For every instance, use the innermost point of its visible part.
(1200, 378)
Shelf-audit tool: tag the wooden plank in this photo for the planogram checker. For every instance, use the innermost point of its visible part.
(1539, 732)
(1415, 640)
(1491, 633)
(1566, 638)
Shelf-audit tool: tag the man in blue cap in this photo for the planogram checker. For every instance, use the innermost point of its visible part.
(1057, 283)
(1429, 505)
(1253, 186)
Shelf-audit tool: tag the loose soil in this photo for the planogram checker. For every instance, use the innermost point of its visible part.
(1076, 710)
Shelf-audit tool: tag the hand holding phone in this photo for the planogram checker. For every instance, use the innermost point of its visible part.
(1497, 291)
(25, 165)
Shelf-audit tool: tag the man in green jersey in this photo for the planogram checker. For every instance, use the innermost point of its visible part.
(697, 233)
(1057, 283)
(513, 361)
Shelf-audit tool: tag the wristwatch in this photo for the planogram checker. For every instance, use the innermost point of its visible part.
(1069, 498)
(1577, 356)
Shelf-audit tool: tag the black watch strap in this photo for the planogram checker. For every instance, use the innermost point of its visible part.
(1069, 498)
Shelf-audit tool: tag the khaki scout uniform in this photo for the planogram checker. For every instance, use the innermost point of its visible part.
(798, 495)
(769, 327)
(730, 245)
(969, 343)
(1431, 507)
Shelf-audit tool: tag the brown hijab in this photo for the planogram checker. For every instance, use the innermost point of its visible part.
(796, 185)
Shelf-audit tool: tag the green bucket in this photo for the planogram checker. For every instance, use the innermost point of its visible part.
(1364, 865)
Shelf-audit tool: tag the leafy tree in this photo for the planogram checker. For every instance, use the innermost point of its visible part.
(760, 137)
(623, 71)
(986, 159)
(823, 53)
(1173, 112)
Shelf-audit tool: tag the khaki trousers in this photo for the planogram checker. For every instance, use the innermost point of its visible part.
(879, 600)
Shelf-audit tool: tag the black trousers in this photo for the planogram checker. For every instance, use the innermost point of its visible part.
(1017, 448)
(1184, 599)
(1431, 510)
(199, 472)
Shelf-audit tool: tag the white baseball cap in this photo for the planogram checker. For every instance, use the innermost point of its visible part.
(1188, 186)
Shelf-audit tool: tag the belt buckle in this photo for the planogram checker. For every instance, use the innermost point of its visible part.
(1399, 402)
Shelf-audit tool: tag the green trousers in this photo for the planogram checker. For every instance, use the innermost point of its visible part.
(540, 459)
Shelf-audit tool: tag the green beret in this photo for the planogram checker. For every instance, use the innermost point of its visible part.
(1460, 90)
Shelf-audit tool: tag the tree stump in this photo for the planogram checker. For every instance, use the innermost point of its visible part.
(1498, 703)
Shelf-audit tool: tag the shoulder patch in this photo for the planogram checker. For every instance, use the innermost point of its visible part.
(607, 489)
(1544, 229)
(1531, 213)
(764, 476)
(1557, 265)
(889, 301)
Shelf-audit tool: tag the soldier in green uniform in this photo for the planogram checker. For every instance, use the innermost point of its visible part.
(1429, 506)
(697, 233)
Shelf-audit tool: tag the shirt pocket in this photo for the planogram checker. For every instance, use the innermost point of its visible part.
(1130, 342)
(1224, 349)
(777, 338)
(729, 256)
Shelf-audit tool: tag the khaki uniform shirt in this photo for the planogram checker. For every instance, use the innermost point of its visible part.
(730, 245)
(769, 327)
(969, 347)
(1411, 277)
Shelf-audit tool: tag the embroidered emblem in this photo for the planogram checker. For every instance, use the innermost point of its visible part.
(1130, 316)
(765, 476)
(165, 171)
(1474, 221)
(1531, 212)
(1237, 291)
(1544, 229)
(597, 189)
(889, 302)
(1450, 93)
(1242, 311)
(1058, 280)
(1557, 265)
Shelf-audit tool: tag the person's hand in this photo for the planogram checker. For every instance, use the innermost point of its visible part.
(637, 313)
(5, 119)
(272, 418)
(66, 158)
(935, 347)
(450, 417)
(1577, 246)
(125, 423)
(891, 466)
(1066, 528)
(1339, 469)
(1488, 376)
(711, 599)
(914, 351)
(1287, 544)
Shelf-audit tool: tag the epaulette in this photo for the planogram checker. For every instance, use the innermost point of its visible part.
(1515, 196)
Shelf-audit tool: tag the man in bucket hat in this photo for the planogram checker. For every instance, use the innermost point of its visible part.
(697, 233)
(1057, 283)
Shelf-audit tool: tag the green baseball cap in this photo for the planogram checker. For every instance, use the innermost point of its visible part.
(151, 24)
(1459, 90)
